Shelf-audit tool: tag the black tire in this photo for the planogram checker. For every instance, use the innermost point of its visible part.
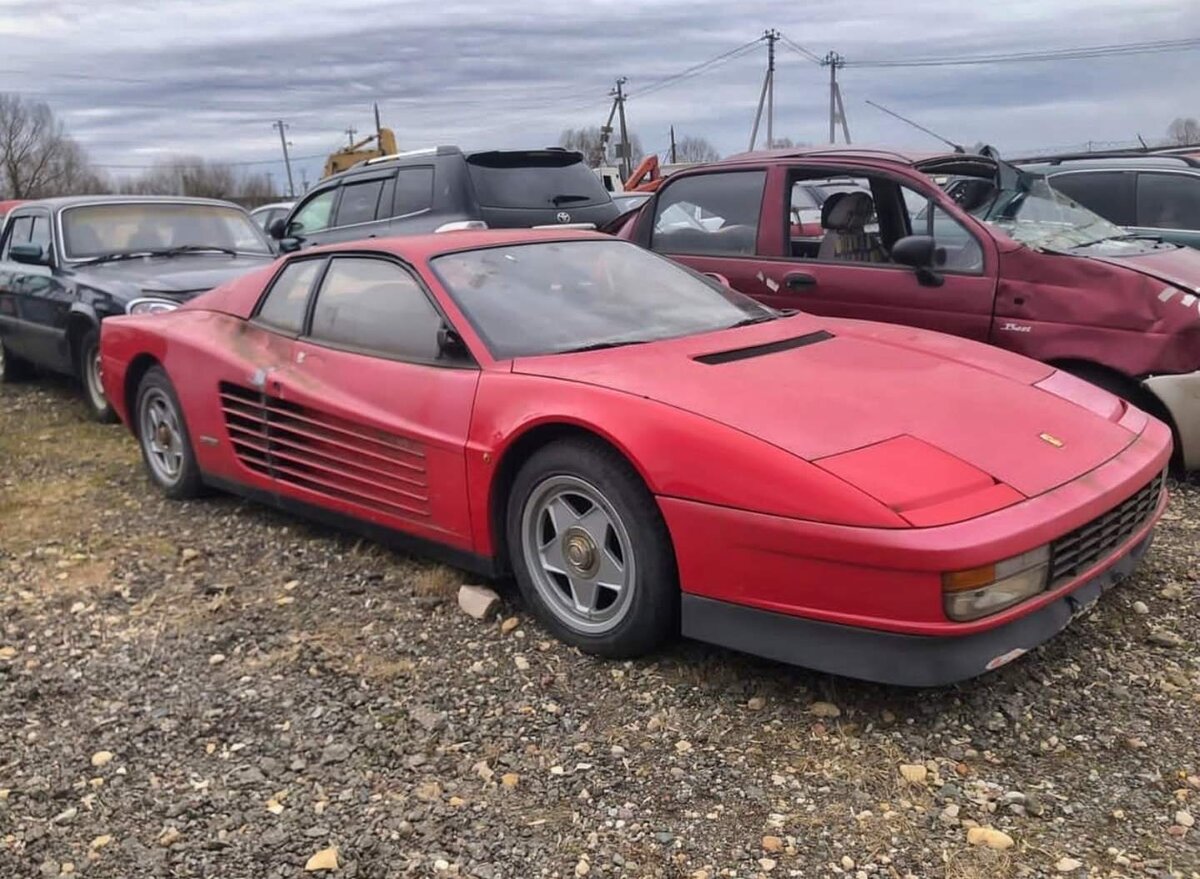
(636, 544)
(12, 368)
(157, 392)
(87, 359)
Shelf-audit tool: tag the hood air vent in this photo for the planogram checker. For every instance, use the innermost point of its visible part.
(761, 350)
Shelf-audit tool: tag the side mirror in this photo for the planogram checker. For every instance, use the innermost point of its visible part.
(451, 345)
(921, 253)
(278, 228)
(29, 254)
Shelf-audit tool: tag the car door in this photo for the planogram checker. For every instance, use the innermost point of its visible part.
(34, 299)
(1168, 206)
(376, 424)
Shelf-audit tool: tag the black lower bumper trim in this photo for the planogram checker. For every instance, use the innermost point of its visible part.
(891, 657)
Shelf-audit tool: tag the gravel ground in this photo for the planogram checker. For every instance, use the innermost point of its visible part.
(211, 689)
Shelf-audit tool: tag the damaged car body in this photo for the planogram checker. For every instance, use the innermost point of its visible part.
(961, 243)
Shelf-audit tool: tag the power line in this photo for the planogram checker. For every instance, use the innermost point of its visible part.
(697, 69)
(800, 50)
(1115, 49)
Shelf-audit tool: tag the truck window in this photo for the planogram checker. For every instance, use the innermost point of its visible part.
(710, 214)
(1168, 201)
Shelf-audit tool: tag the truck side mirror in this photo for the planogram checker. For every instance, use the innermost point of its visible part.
(29, 254)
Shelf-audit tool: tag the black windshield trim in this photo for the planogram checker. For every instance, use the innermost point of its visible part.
(733, 354)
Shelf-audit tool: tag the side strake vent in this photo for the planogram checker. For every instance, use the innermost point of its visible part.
(323, 453)
(760, 350)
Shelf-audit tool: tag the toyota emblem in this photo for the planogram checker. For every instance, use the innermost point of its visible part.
(563, 217)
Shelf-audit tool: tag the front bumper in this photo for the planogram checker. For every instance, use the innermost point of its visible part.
(893, 657)
(1180, 394)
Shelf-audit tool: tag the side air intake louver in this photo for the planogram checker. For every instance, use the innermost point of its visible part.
(324, 453)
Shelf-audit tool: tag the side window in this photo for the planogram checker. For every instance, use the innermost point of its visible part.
(963, 252)
(358, 202)
(833, 218)
(1108, 193)
(375, 305)
(287, 300)
(710, 214)
(40, 233)
(18, 233)
(315, 214)
(414, 191)
(1168, 201)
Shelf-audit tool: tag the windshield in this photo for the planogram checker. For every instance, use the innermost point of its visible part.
(1041, 217)
(559, 296)
(95, 230)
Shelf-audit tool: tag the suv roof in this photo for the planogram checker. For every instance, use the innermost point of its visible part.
(1175, 157)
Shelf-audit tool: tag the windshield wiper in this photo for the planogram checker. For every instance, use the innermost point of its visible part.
(762, 318)
(563, 199)
(194, 248)
(115, 257)
(598, 346)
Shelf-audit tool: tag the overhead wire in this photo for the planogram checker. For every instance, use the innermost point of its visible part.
(1070, 54)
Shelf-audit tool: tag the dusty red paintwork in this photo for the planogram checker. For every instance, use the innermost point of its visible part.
(834, 481)
(1130, 317)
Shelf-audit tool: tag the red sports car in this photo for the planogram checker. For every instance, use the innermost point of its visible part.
(647, 451)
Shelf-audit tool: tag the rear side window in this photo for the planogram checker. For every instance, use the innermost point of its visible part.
(286, 302)
(547, 180)
(358, 202)
(710, 214)
(375, 305)
(1108, 193)
(1168, 201)
(414, 191)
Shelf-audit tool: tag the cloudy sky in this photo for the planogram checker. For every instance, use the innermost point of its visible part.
(137, 81)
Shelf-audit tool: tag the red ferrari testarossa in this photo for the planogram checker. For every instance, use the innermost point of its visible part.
(647, 451)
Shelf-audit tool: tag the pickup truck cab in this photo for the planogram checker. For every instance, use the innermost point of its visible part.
(964, 244)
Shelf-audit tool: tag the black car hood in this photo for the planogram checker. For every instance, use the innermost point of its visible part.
(178, 277)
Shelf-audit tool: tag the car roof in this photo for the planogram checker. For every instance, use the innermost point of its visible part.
(423, 247)
(70, 201)
(896, 155)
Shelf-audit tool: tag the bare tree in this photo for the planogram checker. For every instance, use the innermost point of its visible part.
(1184, 131)
(37, 156)
(695, 149)
(194, 176)
(587, 141)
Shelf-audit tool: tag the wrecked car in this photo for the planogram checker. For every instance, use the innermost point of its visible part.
(1001, 257)
(622, 436)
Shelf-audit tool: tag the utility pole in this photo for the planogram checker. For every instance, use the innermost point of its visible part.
(837, 110)
(624, 151)
(350, 132)
(767, 95)
(287, 162)
(673, 159)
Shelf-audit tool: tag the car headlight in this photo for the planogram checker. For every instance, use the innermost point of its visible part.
(150, 305)
(978, 592)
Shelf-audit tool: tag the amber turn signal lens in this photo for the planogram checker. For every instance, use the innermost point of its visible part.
(958, 581)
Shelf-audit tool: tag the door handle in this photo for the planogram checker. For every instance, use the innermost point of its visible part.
(799, 280)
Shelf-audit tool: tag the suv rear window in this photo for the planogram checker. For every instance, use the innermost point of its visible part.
(541, 179)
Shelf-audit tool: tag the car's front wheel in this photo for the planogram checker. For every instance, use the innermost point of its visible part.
(163, 435)
(92, 378)
(590, 550)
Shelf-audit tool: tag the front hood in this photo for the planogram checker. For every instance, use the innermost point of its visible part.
(837, 386)
(175, 276)
(1179, 266)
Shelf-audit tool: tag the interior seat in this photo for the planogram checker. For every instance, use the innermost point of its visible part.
(844, 216)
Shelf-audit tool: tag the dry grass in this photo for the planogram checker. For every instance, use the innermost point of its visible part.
(436, 581)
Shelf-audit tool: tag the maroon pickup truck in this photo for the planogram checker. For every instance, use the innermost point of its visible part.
(965, 244)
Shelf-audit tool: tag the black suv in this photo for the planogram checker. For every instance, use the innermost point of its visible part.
(68, 263)
(1152, 193)
(424, 190)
